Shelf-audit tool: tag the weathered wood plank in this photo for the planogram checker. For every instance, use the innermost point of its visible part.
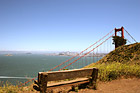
(94, 79)
(44, 77)
(43, 82)
(68, 74)
(79, 80)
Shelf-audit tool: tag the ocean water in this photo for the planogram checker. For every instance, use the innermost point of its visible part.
(22, 67)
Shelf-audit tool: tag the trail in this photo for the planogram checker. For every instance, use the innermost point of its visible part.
(116, 86)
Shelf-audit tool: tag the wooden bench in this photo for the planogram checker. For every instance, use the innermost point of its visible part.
(78, 76)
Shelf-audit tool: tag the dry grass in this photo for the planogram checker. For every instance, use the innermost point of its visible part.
(123, 54)
(115, 70)
(9, 88)
(122, 62)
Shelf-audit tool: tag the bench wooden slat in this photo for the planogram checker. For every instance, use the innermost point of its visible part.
(91, 75)
(80, 80)
(68, 74)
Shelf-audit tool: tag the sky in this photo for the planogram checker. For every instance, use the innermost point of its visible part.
(63, 25)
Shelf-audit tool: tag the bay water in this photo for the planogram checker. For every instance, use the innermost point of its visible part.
(23, 67)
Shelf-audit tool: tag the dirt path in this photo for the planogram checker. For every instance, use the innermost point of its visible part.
(116, 86)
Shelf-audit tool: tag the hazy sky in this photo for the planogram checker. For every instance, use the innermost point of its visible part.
(64, 25)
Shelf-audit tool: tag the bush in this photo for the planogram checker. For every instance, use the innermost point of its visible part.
(9, 88)
(114, 70)
(118, 41)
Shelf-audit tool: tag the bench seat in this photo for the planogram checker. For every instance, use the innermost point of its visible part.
(73, 78)
(70, 83)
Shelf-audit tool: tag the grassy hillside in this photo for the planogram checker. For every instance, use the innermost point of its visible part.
(123, 54)
(122, 62)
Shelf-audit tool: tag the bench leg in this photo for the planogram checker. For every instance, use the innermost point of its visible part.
(94, 78)
(43, 83)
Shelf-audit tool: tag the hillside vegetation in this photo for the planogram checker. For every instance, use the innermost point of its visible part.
(124, 61)
(123, 54)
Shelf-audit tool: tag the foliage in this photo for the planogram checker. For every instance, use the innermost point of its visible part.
(123, 54)
(124, 61)
(115, 70)
(9, 88)
(118, 41)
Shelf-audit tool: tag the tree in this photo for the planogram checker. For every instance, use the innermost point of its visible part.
(118, 41)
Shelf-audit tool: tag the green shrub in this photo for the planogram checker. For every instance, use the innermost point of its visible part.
(114, 70)
(9, 88)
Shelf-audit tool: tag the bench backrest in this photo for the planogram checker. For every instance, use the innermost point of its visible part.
(67, 74)
(44, 77)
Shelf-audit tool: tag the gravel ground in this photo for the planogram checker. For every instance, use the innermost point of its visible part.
(115, 86)
(131, 85)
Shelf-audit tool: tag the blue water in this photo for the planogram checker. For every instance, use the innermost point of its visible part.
(21, 67)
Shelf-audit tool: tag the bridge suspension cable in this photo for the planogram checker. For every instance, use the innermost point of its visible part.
(126, 38)
(82, 51)
(85, 53)
(130, 35)
(75, 56)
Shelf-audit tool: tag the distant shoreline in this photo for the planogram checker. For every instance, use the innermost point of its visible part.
(8, 55)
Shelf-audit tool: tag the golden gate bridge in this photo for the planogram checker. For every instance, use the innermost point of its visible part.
(94, 52)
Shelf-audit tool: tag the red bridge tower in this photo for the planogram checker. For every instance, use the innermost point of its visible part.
(122, 33)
